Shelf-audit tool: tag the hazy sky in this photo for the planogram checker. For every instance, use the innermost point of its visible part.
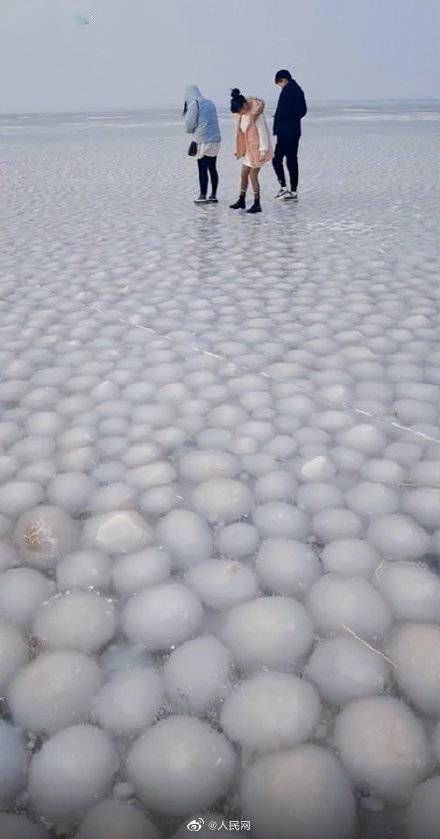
(141, 53)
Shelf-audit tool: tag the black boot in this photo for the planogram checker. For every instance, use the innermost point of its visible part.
(240, 204)
(256, 207)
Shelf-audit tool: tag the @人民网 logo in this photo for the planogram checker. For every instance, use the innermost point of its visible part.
(195, 825)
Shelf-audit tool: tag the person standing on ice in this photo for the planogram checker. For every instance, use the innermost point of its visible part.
(252, 145)
(201, 121)
(290, 110)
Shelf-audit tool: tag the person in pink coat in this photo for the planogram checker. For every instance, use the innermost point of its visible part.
(252, 145)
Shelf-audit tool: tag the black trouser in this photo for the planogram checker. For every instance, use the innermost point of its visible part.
(208, 164)
(287, 147)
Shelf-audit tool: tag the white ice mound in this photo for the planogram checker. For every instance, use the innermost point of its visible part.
(372, 499)
(399, 537)
(222, 583)
(415, 651)
(162, 616)
(118, 532)
(270, 711)
(355, 557)
(54, 691)
(237, 540)
(186, 536)
(71, 491)
(22, 591)
(272, 632)
(222, 500)
(112, 819)
(18, 496)
(207, 464)
(197, 674)
(44, 535)
(180, 765)
(412, 590)
(275, 486)
(280, 520)
(84, 569)
(383, 747)
(13, 654)
(136, 571)
(128, 702)
(344, 669)
(13, 763)
(299, 792)
(80, 620)
(286, 566)
(72, 771)
(336, 601)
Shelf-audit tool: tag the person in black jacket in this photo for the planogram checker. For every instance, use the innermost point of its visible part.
(287, 128)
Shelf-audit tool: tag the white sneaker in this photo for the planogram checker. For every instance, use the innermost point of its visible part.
(288, 195)
(201, 200)
(281, 192)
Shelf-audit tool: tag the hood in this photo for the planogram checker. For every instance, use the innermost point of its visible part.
(192, 92)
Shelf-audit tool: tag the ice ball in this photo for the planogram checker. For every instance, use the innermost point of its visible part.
(383, 747)
(128, 702)
(84, 569)
(222, 499)
(399, 537)
(344, 669)
(180, 765)
(415, 651)
(286, 566)
(118, 532)
(197, 674)
(270, 711)
(111, 819)
(412, 590)
(350, 556)
(336, 601)
(222, 583)
(423, 815)
(278, 519)
(237, 540)
(186, 536)
(136, 571)
(44, 535)
(162, 616)
(78, 620)
(22, 591)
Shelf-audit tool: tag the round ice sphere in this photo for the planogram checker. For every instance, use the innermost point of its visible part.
(137, 571)
(344, 669)
(151, 475)
(179, 765)
(116, 496)
(197, 466)
(399, 537)
(415, 651)
(299, 792)
(111, 819)
(412, 590)
(336, 523)
(423, 815)
(162, 616)
(348, 460)
(318, 469)
(22, 591)
(272, 632)
(316, 497)
(158, 501)
(383, 747)
(197, 674)
(275, 486)
(81, 620)
(13, 826)
(270, 711)
(18, 496)
(383, 471)
(336, 601)
(372, 499)
(404, 453)
(13, 763)
(279, 519)
(118, 532)
(84, 569)
(118, 657)
(40, 471)
(72, 771)
(227, 416)
(423, 505)
(54, 691)
(71, 491)
(222, 583)
(186, 536)
(128, 702)
(44, 535)
(426, 472)
(350, 556)
(237, 540)
(222, 499)
(285, 566)
(364, 437)
(13, 654)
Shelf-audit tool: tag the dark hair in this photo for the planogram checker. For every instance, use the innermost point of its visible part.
(237, 100)
(283, 75)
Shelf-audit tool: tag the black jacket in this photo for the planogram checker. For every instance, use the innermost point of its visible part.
(290, 110)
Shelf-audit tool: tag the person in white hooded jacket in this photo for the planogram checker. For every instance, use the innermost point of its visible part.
(201, 121)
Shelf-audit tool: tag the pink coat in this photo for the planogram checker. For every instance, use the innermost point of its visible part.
(247, 142)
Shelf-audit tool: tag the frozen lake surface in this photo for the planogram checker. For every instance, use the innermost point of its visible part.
(219, 483)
